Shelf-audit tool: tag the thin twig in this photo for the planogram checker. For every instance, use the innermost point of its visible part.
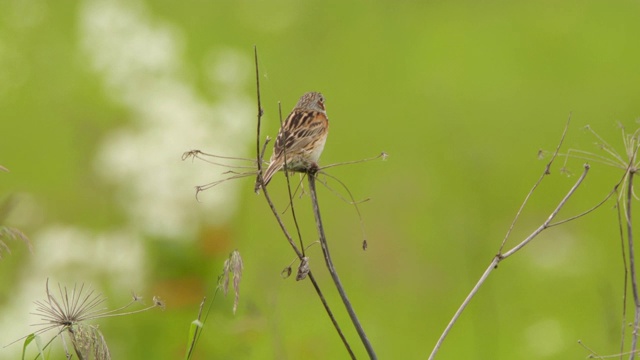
(286, 174)
(546, 172)
(545, 225)
(592, 354)
(593, 208)
(590, 157)
(310, 275)
(499, 257)
(456, 316)
(382, 155)
(201, 155)
(352, 202)
(295, 192)
(632, 266)
(605, 145)
(258, 153)
(334, 275)
(259, 180)
(623, 329)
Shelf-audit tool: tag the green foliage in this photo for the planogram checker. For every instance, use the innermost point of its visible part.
(194, 332)
(28, 341)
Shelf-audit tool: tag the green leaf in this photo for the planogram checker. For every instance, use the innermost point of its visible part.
(194, 331)
(28, 341)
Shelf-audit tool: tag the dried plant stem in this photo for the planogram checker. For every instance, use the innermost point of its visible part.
(298, 252)
(632, 267)
(334, 275)
(547, 171)
(499, 257)
(625, 282)
(309, 275)
(547, 223)
(286, 173)
(258, 153)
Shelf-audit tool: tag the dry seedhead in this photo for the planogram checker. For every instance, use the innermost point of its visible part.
(71, 309)
(303, 269)
(87, 340)
(7, 232)
(611, 157)
(286, 272)
(233, 265)
(234, 172)
(11, 233)
(628, 161)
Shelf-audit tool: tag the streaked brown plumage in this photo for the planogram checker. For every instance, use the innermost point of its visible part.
(301, 138)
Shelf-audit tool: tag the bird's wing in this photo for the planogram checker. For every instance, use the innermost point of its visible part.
(298, 131)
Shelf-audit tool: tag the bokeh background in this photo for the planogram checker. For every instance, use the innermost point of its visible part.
(99, 99)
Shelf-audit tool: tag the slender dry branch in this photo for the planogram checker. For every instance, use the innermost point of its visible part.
(632, 266)
(299, 253)
(547, 171)
(467, 300)
(260, 112)
(593, 208)
(555, 212)
(499, 257)
(350, 202)
(625, 283)
(624, 203)
(334, 275)
(382, 155)
(286, 174)
(310, 274)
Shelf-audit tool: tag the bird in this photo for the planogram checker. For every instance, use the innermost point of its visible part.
(301, 138)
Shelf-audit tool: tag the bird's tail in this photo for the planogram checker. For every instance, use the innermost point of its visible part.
(274, 166)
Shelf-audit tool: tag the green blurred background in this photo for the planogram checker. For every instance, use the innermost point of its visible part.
(98, 100)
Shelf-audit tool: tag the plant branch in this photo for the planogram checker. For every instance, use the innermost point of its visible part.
(625, 278)
(547, 171)
(259, 180)
(632, 265)
(593, 208)
(499, 257)
(286, 174)
(260, 112)
(555, 212)
(467, 300)
(310, 274)
(334, 275)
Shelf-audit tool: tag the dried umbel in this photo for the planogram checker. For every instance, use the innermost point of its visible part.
(69, 312)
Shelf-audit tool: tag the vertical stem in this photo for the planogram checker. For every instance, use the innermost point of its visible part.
(625, 280)
(632, 267)
(310, 275)
(259, 181)
(259, 158)
(332, 270)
